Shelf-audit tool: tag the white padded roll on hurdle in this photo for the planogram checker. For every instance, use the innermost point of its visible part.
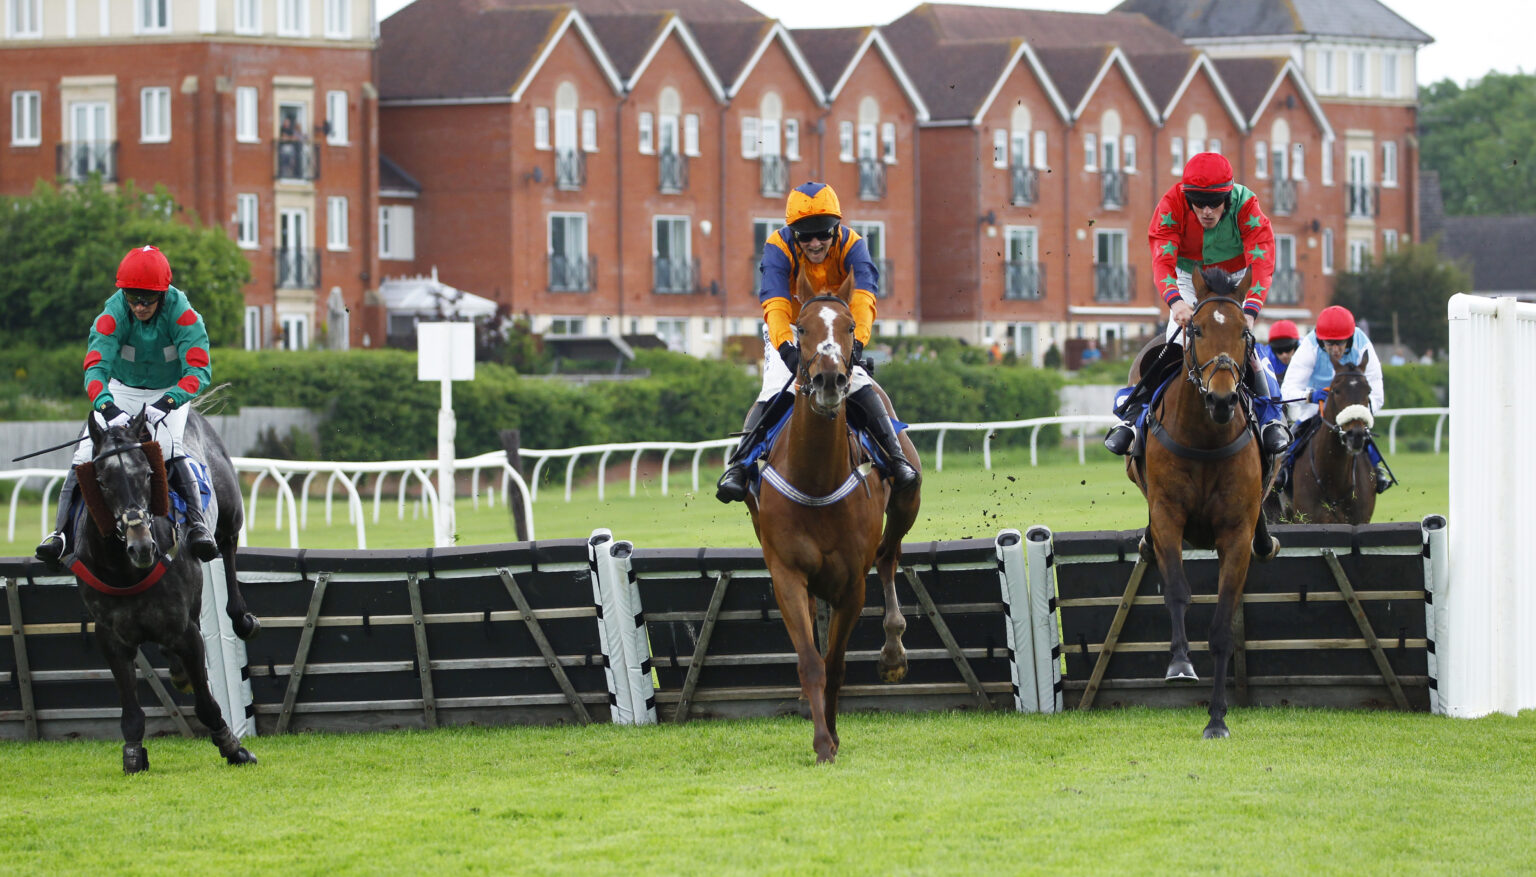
(224, 653)
(1039, 548)
(623, 625)
(606, 598)
(1013, 580)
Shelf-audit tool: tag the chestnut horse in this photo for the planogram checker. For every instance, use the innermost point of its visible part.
(1333, 481)
(818, 516)
(1203, 480)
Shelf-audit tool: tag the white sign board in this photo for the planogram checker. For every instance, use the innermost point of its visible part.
(445, 351)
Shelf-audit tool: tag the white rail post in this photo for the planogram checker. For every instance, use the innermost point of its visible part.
(445, 352)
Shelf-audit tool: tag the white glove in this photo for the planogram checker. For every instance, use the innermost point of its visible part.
(109, 416)
(156, 413)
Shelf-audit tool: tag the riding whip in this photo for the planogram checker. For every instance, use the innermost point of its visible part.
(68, 444)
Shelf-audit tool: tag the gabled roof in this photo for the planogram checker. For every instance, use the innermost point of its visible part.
(1132, 32)
(1212, 19)
(1115, 57)
(1168, 75)
(1254, 81)
(466, 49)
(834, 53)
(630, 30)
(954, 79)
(756, 36)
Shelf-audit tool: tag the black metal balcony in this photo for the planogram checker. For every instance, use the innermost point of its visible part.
(774, 176)
(297, 269)
(871, 179)
(1285, 288)
(1361, 200)
(675, 276)
(77, 160)
(570, 169)
(568, 274)
(1026, 185)
(1113, 283)
(296, 161)
(1114, 189)
(1283, 198)
(674, 173)
(1024, 281)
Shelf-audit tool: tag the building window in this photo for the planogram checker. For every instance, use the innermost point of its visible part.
(397, 232)
(252, 327)
(1390, 82)
(569, 267)
(1298, 161)
(1389, 240)
(336, 117)
(1327, 72)
(1128, 152)
(674, 332)
(1213, 145)
(24, 18)
(1358, 70)
(1041, 139)
(1359, 255)
(589, 130)
(152, 16)
(671, 249)
(26, 118)
(873, 234)
(336, 222)
(1389, 163)
(1021, 278)
(791, 139)
(246, 222)
(751, 138)
(248, 17)
(1090, 152)
(295, 332)
(845, 141)
(1176, 155)
(691, 135)
(647, 141)
(246, 129)
(999, 148)
(1261, 159)
(338, 19)
(155, 115)
(1328, 162)
(1327, 251)
(888, 142)
(293, 18)
(541, 127)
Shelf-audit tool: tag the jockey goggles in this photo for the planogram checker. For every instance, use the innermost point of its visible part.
(142, 299)
(823, 235)
(1205, 199)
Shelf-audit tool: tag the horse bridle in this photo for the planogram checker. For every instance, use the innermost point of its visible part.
(128, 517)
(804, 385)
(1222, 361)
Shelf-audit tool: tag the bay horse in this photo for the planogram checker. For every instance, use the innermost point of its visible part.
(1333, 481)
(1203, 478)
(818, 516)
(136, 583)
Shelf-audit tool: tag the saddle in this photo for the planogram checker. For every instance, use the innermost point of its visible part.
(866, 448)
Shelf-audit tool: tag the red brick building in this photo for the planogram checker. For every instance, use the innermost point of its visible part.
(261, 117)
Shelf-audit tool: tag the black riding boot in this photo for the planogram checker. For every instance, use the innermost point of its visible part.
(54, 545)
(870, 415)
(1274, 435)
(199, 538)
(732, 486)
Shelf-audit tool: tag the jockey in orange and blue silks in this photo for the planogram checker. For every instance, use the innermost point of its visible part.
(815, 244)
(1311, 373)
(1208, 220)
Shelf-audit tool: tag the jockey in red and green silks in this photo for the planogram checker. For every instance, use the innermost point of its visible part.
(815, 244)
(148, 352)
(1207, 220)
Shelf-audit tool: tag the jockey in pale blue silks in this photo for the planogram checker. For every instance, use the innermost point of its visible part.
(1311, 372)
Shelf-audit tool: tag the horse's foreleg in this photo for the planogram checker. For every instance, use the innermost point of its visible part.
(1265, 546)
(1232, 550)
(795, 605)
(246, 624)
(189, 648)
(899, 518)
(120, 657)
(843, 619)
(1168, 544)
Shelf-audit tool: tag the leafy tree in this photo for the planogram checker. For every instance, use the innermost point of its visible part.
(62, 248)
(1412, 283)
(1481, 141)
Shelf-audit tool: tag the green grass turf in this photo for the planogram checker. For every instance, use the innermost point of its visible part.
(963, 501)
(1113, 792)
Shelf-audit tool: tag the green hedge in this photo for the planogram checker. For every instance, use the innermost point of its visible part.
(1415, 386)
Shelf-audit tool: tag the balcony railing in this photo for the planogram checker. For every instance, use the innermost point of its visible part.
(674, 276)
(297, 269)
(78, 159)
(871, 179)
(1026, 185)
(1024, 281)
(1283, 200)
(296, 160)
(1360, 200)
(1285, 288)
(571, 274)
(1114, 189)
(1113, 283)
(774, 175)
(674, 173)
(570, 169)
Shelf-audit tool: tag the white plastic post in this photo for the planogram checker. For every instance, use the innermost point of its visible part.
(1038, 547)
(224, 653)
(631, 620)
(445, 352)
(606, 597)
(1013, 581)
(1436, 593)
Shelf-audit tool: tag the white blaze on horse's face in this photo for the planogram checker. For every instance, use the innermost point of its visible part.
(1220, 317)
(829, 346)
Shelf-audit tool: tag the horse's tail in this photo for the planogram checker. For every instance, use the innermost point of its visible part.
(211, 402)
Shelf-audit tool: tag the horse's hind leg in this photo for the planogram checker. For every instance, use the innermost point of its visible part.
(120, 657)
(246, 624)
(789, 591)
(189, 648)
(900, 514)
(1265, 546)
(843, 619)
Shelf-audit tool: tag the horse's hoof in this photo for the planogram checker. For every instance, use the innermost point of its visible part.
(1181, 671)
(247, 626)
(135, 759)
(240, 757)
(1145, 551)
(1217, 730)
(826, 758)
(893, 670)
(182, 683)
(1274, 549)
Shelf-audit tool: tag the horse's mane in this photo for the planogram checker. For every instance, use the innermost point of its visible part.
(1219, 282)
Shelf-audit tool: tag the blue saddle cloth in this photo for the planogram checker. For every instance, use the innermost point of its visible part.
(204, 488)
(760, 450)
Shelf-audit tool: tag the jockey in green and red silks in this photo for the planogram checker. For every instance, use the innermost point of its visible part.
(148, 352)
(1208, 220)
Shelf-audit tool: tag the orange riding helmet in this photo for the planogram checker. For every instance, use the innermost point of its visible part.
(812, 207)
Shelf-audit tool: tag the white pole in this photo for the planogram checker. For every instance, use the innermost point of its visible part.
(446, 427)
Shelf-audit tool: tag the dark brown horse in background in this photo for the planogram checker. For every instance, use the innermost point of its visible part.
(1203, 479)
(820, 526)
(1333, 481)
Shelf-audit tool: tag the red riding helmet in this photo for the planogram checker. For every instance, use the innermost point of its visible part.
(1335, 323)
(1283, 329)
(144, 268)
(1207, 173)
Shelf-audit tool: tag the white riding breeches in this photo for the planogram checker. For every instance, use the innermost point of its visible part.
(1187, 292)
(776, 373)
(167, 432)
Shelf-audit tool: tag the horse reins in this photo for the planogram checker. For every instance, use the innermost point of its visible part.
(125, 520)
(1222, 361)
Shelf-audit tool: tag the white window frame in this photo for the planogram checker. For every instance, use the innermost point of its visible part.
(1019, 146)
(1327, 161)
(248, 221)
(1388, 241)
(1261, 159)
(247, 112)
(397, 232)
(647, 139)
(1285, 252)
(155, 114)
(673, 331)
(1213, 145)
(691, 135)
(338, 19)
(1195, 145)
(1000, 147)
(336, 116)
(293, 18)
(1391, 75)
(1128, 153)
(295, 331)
(573, 222)
(1328, 251)
(1176, 155)
(888, 142)
(336, 237)
(1298, 161)
(26, 118)
(1359, 73)
(151, 16)
(252, 327)
(23, 19)
(1358, 254)
(868, 144)
(541, 128)
(791, 139)
(845, 142)
(1327, 72)
(566, 326)
(751, 138)
(1090, 152)
(589, 130)
(1039, 152)
(1389, 164)
(248, 17)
